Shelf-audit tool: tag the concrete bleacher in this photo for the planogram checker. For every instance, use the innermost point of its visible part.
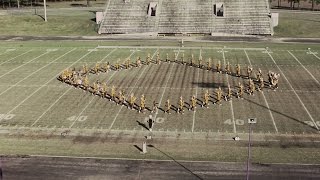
(187, 17)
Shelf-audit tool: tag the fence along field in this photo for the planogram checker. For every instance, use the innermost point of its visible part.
(31, 95)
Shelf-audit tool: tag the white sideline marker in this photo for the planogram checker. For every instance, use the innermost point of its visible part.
(295, 92)
(194, 112)
(264, 98)
(231, 104)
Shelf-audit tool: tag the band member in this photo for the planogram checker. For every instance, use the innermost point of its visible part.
(251, 87)
(240, 91)
(193, 103)
(192, 60)
(206, 98)
(228, 68)
(154, 107)
(138, 63)
(85, 83)
(200, 62)
(127, 64)
(121, 98)
(158, 58)
(249, 72)
(85, 69)
(142, 103)
(261, 84)
(209, 65)
(107, 67)
(167, 58)
(168, 106)
(182, 58)
(219, 95)
(218, 66)
(259, 74)
(238, 70)
(228, 97)
(113, 93)
(148, 60)
(132, 100)
(104, 90)
(181, 105)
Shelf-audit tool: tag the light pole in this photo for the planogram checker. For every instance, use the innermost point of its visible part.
(45, 10)
(250, 122)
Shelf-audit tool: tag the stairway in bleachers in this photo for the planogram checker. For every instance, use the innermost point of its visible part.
(188, 17)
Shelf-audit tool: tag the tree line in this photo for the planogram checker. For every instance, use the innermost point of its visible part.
(31, 3)
(296, 3)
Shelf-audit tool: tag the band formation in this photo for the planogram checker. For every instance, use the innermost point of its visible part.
(256, 82)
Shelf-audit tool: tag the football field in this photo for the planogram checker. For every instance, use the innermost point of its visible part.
(32, 97)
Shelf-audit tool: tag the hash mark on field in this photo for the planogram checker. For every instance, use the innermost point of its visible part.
(194, 112)
(49, 82)
(50, 107)
(93, 96)
(231, 104)
(264, 97)
(115, 118)
(164, 90)
(36, 71)
(304, 67)
(294, 92)
(23, 64)
(16, 56)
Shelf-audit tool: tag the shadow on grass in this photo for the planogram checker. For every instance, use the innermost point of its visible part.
(136, 146)
(195, 175)
(143, 125)
(275, 111)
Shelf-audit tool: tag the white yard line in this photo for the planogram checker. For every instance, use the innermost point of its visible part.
(231, 104)
(294, 92)
(24, 64)
(48, 83)
(316, 56)
(164, 90)
(36, 71)
(194, 112)
(264, 98)
(93, 97)
(16, 56)
(304, 67)
(115, 118)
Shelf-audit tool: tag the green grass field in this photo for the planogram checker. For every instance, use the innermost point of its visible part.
(80, 21)
(31, 95)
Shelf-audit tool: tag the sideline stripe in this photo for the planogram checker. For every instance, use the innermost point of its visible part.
(158, 160)
(36, 72)
(265, 99)
(194, 112)
(231, 104)
(295, 92)
(24, 64)
(304, 67)
(16, 56)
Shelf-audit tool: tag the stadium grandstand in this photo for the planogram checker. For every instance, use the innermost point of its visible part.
(245, 17)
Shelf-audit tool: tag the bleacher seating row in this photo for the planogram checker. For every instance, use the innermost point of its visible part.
(187, 16)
